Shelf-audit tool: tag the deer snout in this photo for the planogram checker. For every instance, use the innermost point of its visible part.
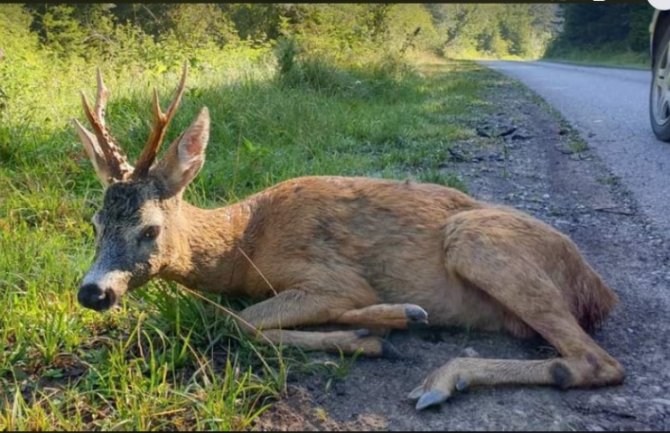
(95, 297)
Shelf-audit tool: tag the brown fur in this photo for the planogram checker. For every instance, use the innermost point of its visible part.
(386, 236)
(367, 253)
(339, 245)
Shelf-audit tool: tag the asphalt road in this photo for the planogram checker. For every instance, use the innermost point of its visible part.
(609, 107)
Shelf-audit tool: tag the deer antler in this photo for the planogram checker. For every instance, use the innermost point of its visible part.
(161, 123)
(117, 163)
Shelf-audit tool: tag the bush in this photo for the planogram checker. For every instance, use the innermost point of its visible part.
(286, 52)
(379, 77)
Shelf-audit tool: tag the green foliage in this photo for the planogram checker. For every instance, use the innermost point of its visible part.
(616, 29)
(519, 30)
(379, 78)
(258, 22)
(286, 51)
(406, 19)
(197, 25)
(638, 33)
(531, 31)
(59, 30)
(17, 39)
(515, 27)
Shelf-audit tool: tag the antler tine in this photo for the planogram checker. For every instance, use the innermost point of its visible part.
(101, 100)
(161, 123)
(117, 161)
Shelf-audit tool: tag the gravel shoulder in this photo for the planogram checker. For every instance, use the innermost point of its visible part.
(544, 168)
(610, 109)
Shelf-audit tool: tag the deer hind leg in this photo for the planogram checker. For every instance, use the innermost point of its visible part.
(267, 320)
(510, 272)
(583, 364)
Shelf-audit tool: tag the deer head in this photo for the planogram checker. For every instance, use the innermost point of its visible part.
(137, 227)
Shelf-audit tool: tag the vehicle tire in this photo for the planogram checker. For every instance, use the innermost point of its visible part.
(659, 94)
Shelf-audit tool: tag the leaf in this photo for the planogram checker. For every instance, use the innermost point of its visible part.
(53, 373)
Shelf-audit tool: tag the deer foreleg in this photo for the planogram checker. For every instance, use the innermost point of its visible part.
(268, 319)
(394, 316)
(348, 342)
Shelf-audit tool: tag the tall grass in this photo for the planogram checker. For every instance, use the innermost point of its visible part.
(613, 54)
(167, 360)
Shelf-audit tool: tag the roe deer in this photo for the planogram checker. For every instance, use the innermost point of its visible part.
(368, 253)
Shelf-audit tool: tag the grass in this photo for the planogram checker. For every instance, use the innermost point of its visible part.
(166, 359)
(609, 180)
(608, 56)
(577, 146)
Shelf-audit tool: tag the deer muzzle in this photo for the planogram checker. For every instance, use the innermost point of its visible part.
(96, 298)
(102, 289)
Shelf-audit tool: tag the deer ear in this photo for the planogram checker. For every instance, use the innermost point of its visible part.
(94, 153)
(185, 156)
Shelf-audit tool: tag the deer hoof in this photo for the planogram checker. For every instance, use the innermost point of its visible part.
(416, 314)
(431, 398)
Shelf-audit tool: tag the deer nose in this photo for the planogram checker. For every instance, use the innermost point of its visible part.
(94, 297)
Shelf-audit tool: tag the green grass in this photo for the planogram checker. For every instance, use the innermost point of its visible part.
(166, 359)
(577, 145)
(608, 180)
(613, 57)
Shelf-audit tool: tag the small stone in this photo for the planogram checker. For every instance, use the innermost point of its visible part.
(595, 400)
(663, 401)
(620, 400)
(470, 352)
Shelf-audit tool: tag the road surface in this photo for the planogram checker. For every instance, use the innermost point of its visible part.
(609, 107)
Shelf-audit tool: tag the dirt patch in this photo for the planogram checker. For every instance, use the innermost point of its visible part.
(525, 156)
(300, 411)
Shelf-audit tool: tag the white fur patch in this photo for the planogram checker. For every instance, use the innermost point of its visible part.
(115, 280)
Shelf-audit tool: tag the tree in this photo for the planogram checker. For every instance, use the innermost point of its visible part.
(59, 28)
(197, 24)
(590, 26)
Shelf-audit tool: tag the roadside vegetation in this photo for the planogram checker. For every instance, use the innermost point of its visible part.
(292, 90)
(596, 33)
(496, 31)
(600, 34)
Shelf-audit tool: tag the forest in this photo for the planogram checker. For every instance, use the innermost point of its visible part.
(151, 33)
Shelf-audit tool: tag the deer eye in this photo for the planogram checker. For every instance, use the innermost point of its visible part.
(150, 233)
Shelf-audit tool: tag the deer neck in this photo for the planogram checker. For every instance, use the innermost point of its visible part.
(206, 253)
